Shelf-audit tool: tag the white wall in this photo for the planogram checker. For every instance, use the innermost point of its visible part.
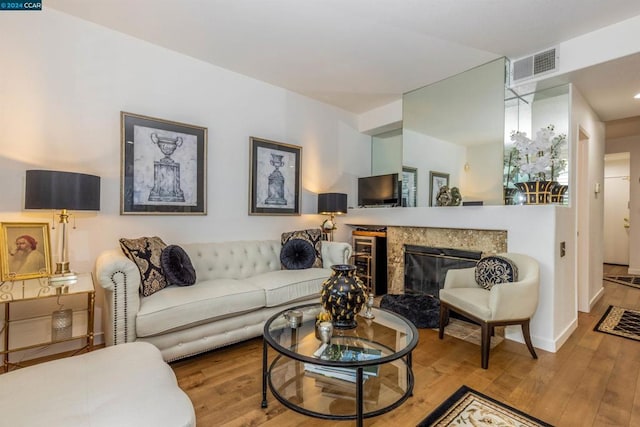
(386, 153)
(585, 121)
(482, 180)
(65, 81)
(429, 154)
(631, 144)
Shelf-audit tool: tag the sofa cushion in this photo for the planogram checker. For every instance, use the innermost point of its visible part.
(284, 286)
(233, 260)
(297, 254)
(145, 252)
(178, 307)
(177, 267)
(495, 269)
(313, 236)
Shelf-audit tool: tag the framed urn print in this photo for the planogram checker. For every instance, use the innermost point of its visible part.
(436, 181)
(274, 184)
(25, 251)
(163, 170)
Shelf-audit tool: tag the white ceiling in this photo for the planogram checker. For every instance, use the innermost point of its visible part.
(361, 54)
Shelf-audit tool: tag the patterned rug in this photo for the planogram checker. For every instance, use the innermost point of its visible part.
(467, 407)
(629, 280)
(619, 321)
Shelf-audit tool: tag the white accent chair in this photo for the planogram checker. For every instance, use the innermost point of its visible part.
(504, 304)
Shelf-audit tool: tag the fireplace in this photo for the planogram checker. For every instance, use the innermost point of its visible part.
(425, 267)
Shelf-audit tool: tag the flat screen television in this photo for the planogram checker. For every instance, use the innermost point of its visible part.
(379, 190)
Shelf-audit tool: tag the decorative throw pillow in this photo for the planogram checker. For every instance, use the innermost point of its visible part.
(145, 252)
(313, 236)
(495, 269)
(177, 267)
(297, 254)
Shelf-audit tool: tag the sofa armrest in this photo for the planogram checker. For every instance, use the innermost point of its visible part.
(120, 279)
(335, 253)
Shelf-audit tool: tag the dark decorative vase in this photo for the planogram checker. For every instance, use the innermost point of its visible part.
(343, 295)
(536, 192)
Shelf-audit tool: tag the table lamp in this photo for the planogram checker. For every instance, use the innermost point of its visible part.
(331, 204)
(62, 191)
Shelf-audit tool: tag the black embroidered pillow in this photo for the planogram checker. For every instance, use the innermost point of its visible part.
(177, 267)
(145, 252)
(495, 269)
(313, 236)
(297, 254)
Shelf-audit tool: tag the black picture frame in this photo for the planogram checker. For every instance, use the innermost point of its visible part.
(274, 182)
(436, 180)
(409, 186)
(163, 167)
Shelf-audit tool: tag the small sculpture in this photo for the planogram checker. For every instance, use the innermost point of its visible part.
(448, 197)
(456, 197)
(443, 198)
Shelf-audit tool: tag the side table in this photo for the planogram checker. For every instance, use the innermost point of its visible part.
(20, 291)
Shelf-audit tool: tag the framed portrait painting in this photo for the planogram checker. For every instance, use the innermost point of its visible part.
(25, 252)
(274, 184)
(163, 167)
(436, 180)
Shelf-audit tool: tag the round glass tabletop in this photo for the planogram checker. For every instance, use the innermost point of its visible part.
(320, 379)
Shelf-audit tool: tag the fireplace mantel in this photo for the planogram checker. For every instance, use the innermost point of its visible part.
(536, 231)
(486, 241)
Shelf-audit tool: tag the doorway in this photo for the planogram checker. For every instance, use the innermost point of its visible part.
(616, 208)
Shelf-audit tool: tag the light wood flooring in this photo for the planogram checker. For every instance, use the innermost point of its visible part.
(593, 380)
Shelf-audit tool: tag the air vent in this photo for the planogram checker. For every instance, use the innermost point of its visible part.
(534, 66)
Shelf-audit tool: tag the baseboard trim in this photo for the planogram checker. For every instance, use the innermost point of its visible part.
(514, 333)
(596, 298)
(633, 270)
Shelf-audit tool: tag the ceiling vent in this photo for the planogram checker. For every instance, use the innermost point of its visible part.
(533, 66)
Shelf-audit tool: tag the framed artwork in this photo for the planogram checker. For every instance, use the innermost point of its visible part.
(164, 167)
(436, 180)
(409, 186)
(274, 184)
(25, 251)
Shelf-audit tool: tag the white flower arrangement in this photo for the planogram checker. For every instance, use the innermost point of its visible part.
(538, 158)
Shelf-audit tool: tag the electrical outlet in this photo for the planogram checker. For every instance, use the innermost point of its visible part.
(563, 249)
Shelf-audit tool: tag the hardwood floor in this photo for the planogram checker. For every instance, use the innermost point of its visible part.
(593, 380)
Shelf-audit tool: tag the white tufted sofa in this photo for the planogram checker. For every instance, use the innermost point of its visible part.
(239, 286)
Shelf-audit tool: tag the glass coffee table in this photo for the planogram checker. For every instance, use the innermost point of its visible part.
(364, 372)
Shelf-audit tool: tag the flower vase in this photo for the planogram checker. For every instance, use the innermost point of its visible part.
(343, 295)
(536, 192)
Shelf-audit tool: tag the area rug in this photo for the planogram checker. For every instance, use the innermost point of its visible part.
(467, 407)
(628, 280)
(619, 321)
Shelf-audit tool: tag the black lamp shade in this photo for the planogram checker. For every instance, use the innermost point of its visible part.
(332, 203)
(62, 190)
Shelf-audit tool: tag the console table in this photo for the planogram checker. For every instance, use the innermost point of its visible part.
(21, 291)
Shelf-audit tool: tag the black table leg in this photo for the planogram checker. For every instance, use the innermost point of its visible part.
(264, 373)
(359, 397)
(408, 369)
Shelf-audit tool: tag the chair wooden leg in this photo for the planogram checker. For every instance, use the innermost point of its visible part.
(444, 317)
(485, 344)
(527, 338)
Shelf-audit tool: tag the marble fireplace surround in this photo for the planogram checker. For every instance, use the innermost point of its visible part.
(486, 241)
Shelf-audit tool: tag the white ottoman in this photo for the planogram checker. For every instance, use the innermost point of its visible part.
(124, 385)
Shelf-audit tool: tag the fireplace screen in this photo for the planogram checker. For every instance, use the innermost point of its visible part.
(425, 267)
